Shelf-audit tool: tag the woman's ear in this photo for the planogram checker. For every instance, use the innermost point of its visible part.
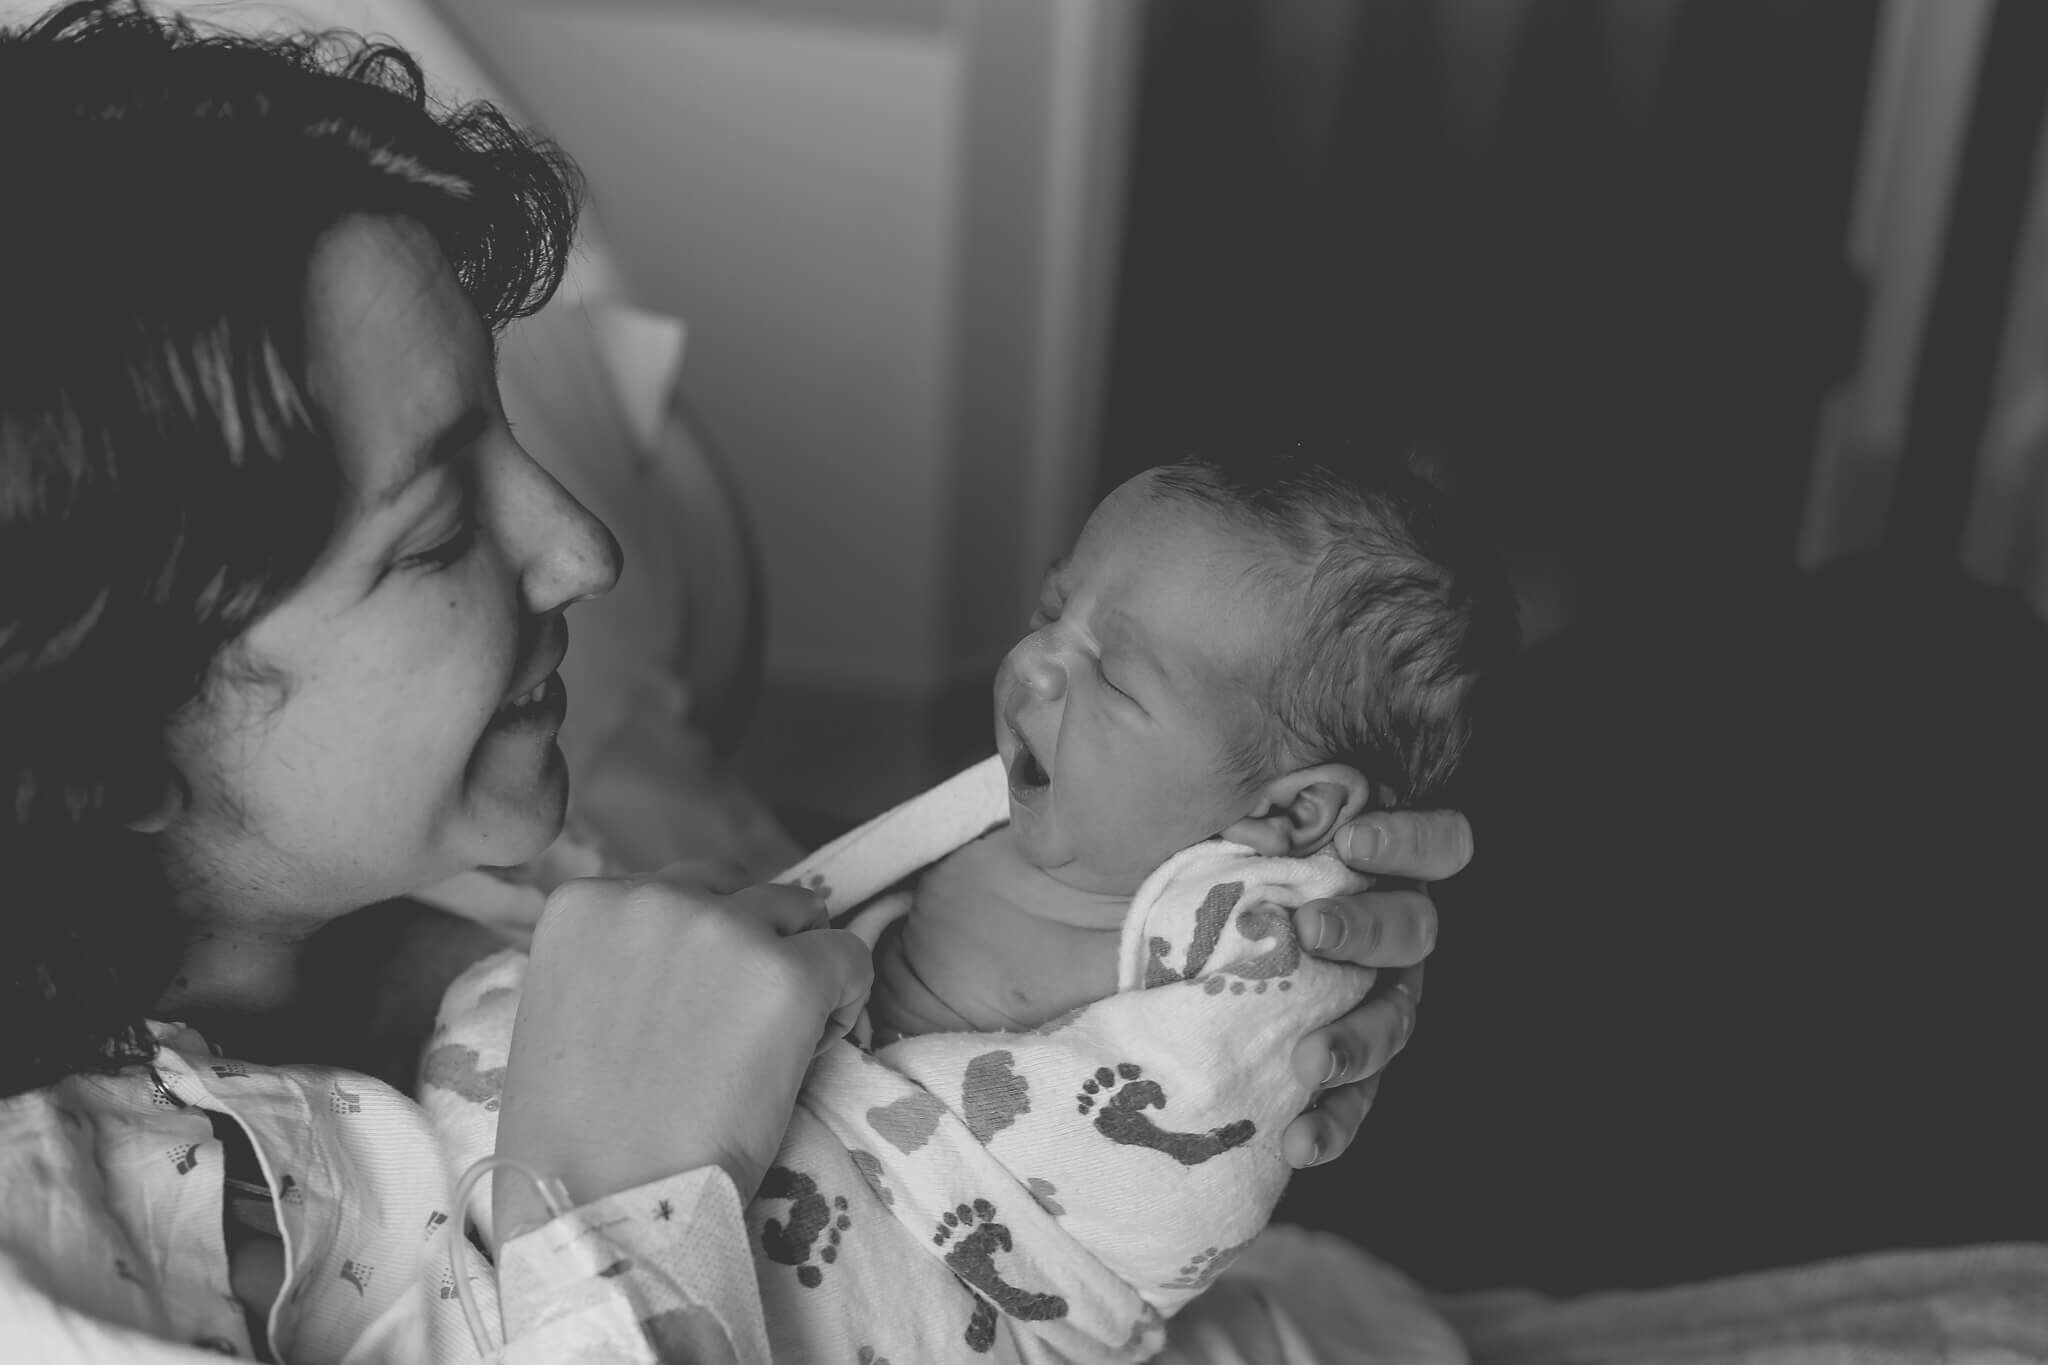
(1298, 812)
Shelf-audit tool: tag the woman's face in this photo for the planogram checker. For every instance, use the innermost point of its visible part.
(368, 737)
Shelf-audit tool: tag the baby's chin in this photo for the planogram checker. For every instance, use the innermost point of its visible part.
(1077, 877)
(1078, 873)
(1042, 841)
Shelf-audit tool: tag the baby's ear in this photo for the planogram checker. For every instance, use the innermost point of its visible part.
(1298, 812)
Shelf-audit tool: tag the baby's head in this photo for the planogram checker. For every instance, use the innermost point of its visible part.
(1258, 654)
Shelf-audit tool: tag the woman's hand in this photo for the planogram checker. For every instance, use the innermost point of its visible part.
(665, 1025)
(1392, 929)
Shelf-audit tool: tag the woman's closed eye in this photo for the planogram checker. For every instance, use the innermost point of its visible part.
(449, 548)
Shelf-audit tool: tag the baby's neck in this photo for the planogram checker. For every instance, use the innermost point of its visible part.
(993, 943)
(1046, 896)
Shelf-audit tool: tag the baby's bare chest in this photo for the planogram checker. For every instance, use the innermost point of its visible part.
(995, 952)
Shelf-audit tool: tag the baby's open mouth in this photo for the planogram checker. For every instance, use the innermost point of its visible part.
(1026, 773)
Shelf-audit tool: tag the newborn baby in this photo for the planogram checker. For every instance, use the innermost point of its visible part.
(1258, 662)
(1069, 1119)
(1083, 1016)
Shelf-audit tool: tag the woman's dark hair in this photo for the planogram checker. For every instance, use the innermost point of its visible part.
(163, 476)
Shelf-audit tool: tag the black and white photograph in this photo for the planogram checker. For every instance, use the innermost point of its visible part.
(814, 682)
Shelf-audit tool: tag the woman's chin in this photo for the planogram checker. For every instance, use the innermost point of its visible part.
(514, 822)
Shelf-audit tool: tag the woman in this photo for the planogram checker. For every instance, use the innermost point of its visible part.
(281, 601)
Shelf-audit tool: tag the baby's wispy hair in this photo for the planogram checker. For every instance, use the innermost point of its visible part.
(1397, 604)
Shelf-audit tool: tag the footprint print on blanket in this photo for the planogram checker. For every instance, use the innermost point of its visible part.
(1123, 1097)
(1209, 921)
(1258, 924)
(993, 1095)
(811, 1216)
(454, 1067)
(972, 1238)
(1200, 1270)
(981, 1327)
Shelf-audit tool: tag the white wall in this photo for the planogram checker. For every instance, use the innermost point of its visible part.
(788, 188)
(1046, 95)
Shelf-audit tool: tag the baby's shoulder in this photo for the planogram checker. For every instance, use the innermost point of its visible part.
(991, 858)
(974, 873)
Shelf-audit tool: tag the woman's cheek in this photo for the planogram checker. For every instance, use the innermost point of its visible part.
(469, 648)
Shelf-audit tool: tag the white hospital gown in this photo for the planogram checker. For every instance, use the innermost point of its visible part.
(112, 1249)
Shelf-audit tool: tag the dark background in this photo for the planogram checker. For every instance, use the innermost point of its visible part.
(1748, 970)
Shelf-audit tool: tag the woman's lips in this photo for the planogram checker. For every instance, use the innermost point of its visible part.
(544, 707)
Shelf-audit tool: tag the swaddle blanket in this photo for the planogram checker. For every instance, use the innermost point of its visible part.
(1041, 1196)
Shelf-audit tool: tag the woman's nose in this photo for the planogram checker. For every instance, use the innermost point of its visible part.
(569, 554)
(1040, 669)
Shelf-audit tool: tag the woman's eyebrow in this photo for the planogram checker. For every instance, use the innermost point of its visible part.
(443, 446)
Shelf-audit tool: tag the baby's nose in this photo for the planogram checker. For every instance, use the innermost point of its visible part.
(1041, 672)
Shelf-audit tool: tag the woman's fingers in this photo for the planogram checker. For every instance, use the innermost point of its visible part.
(1323, 1132)
(1409, 982)
(846, 973)
(1395, 928)
(1344, 1062)
(1423, 845)
(832, 965)
(1362, 1042)
(719, 876)
(786, 909)
(715, 1005)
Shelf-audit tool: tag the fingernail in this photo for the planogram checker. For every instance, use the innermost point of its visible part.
(1336, 1068)
(1315, 1154)
(1362, 842)
(1331, 928)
